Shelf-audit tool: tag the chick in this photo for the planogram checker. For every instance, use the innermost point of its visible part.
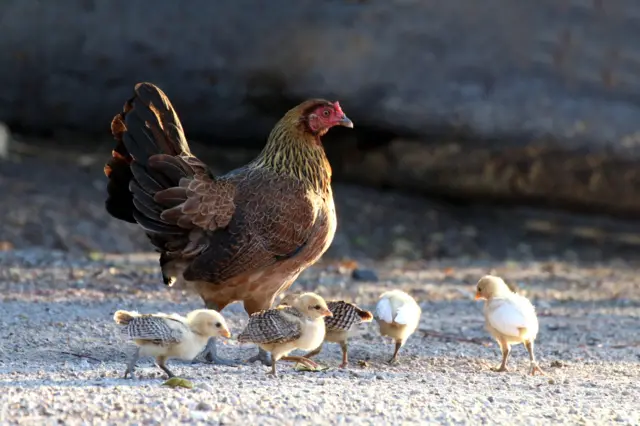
(165, 336)
(398, 315)
(345, 316)
(286, 328)
(510, 318)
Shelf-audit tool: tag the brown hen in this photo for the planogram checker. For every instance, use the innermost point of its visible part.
(243, 236)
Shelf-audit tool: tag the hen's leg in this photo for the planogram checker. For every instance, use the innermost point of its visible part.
(253, 306)
(131, 365)
(533, 364)
(210, 352)
(505, 348)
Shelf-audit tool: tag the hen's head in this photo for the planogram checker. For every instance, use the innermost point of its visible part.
(319, 115)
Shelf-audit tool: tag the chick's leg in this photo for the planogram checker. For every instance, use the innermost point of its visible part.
(210, 352)
(160, 362)
(394, 358)
(505, 348)
(345, 354)
(533, 364)
(314, 352)
(131, 365)
(302, 360)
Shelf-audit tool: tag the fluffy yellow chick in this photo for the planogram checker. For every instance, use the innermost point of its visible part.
(398, 315)
(286, 328)
(165, 336)
(345, 316)
(509, 317)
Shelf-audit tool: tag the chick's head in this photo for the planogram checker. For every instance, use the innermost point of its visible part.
(491, 286)
(208, 323)
(312, 305)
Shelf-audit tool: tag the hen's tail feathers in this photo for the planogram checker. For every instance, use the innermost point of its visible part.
(365, 316)
(147, 127)
(124, 317)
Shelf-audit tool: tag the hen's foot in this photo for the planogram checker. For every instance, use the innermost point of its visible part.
(263, 356)
(210, 355)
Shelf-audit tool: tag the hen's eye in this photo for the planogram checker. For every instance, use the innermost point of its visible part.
(326, 113)
(218, 325)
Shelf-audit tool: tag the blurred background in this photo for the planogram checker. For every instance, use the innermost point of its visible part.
(483, 130)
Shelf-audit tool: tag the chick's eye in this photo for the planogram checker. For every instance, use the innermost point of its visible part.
(326, 113)
(218, 325)
(317, 307)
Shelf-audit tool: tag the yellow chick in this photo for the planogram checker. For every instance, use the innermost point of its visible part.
(398, 316)
(509, 317)
(165, 336)
(286, 328)
(345, 316)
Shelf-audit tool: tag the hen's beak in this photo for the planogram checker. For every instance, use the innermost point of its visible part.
(225, 333)
(478, 296)
(327, 313)
(346, 122)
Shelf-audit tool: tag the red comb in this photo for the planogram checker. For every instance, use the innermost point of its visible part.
(336, 105)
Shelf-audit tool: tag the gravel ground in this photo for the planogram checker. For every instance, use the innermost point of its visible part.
(65, 267)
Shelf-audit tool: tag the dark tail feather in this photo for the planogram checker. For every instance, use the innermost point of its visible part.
(148, 126)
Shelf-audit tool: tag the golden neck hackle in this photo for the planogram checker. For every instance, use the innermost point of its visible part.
(292, 151)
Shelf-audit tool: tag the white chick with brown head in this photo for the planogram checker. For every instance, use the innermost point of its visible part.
(286, 328)
(165, 336)
(509, 317)
(398, 316)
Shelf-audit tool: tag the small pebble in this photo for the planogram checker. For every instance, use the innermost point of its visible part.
(364, 275)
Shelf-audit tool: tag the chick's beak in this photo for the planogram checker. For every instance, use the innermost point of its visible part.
(346, 122)
(327, 313)
(225, 333)
(478, 296)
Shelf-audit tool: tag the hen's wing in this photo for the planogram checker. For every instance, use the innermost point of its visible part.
(158, 330)
(272, 221)
(507, 319)
(272, 326)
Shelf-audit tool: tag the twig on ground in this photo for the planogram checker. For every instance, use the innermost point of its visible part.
(455, 337)
(81, 356)
(626, 345)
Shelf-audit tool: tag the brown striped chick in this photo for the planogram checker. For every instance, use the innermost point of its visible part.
(509, 317)
(286, 328)
(165, 336)
(345, 316)
(398, 316)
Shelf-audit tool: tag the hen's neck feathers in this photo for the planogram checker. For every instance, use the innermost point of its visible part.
(292, 150)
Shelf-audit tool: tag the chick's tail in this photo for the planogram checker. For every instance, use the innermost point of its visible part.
(365, 316)
(124, 317)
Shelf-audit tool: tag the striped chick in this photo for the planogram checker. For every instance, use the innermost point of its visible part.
(165, 336)
(286, 328)
(398, 315)
(509, 317)
(345, 316)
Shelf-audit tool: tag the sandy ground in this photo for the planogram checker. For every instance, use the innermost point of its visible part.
(61, 359)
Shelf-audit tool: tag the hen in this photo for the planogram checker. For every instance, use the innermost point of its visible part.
(243, 236)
